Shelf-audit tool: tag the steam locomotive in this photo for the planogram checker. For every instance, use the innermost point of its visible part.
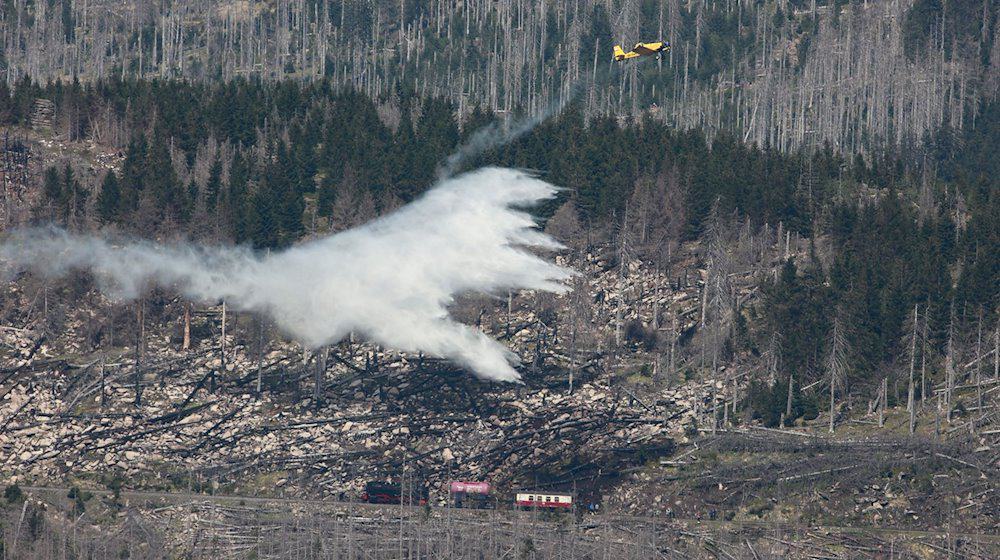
(392, 493)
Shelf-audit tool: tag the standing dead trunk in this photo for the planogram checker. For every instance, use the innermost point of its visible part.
(624, 253)
(222, 350)
(572, 356)
(937, 416)
(836, 365)
(656, 309)
(979, 361)
(260, 351)
(831, 405)
(923, 358)
(949, 365)
(320, 375)
(913, 355)
(140, 338)
(882, 402)
(510, 304)
(996, 352)
(187, 327)
(788, 401)
(104, 394)
(715, 410)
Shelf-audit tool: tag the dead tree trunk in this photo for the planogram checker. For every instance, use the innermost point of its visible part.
(187, 326)
(836, 365)
(996, 352)
(320, 374)
(104, 376)
(882, 402)
(222, 350)
(510, 305)
(923, 357)
(140, 334)
(937, 416)
(788, 401)
(949, 365)
(260, 351)
(979, 362)
(622, 269)
(913, 354)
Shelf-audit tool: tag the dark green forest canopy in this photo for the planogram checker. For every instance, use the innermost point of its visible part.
(919, 227)
(319, 134)
(962, 22)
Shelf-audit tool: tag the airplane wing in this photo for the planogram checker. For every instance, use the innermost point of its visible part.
(644, 49)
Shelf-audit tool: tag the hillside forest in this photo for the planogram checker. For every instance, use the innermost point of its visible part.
(786, 73)
(897, 247)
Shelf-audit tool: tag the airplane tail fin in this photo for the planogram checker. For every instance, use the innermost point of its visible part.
(619, 53)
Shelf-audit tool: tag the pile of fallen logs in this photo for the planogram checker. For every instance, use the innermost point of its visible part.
(437, 424)
(222, 412)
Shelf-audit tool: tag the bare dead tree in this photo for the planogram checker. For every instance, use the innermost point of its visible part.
(625, 255)
(579, 312)
(260, 351)
(913, 355)
(788, 400)
(923, 356)
(140, 341)
(319, 376)
(773, 356)
(883, 397)
(836, 364)
(719, 292)
(996, 352)
(187, 326)
(222, 350)
(979, 362)
(949, 364)
(673, 348)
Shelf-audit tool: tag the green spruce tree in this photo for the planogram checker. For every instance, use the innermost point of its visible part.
(109, 200)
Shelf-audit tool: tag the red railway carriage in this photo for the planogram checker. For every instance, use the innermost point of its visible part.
(474, 495)
(544, 500)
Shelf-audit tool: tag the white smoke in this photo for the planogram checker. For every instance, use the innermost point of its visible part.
(390, 280)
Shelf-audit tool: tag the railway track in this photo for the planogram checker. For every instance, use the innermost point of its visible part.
(679, 522)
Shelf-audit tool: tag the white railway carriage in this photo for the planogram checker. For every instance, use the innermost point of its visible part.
(529, 499)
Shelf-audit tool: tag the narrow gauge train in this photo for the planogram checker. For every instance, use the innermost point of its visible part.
(529, 499)
(474, 495)
(392, 493)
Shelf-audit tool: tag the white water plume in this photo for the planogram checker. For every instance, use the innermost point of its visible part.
(498, 134)
(390, 280)
(488, 137)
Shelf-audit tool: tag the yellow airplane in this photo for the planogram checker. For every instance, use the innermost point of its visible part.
(641, 49)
